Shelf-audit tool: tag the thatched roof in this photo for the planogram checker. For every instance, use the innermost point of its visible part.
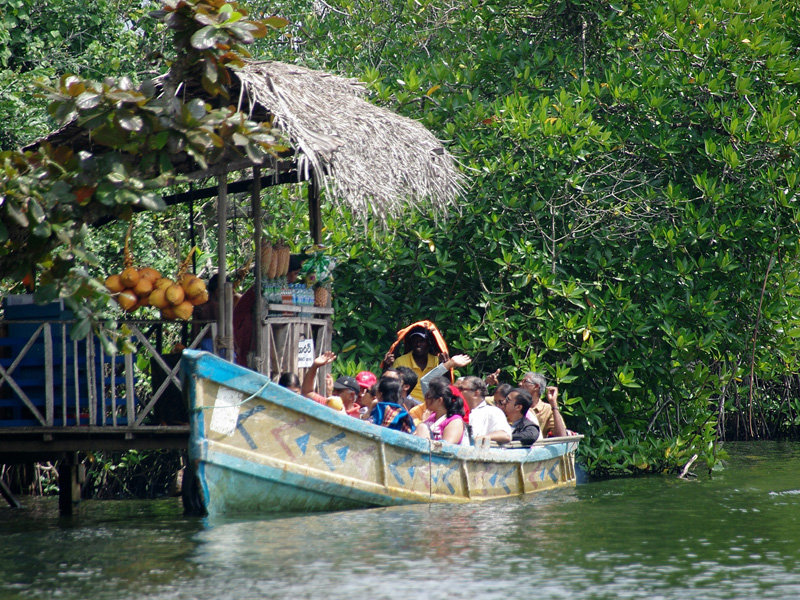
(367, 157)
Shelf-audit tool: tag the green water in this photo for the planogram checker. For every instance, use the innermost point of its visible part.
(736, 535)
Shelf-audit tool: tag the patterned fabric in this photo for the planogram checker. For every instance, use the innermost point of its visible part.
(393, 416)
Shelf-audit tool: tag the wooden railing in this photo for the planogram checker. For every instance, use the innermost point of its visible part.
(49, 380)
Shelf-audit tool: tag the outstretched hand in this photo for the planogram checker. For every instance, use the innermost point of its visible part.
(492, 378)
(324, 359)
(388, 360)
(459, 361)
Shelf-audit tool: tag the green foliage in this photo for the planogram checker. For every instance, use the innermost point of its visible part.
(48, 195)
(631, 225)
(631, 229)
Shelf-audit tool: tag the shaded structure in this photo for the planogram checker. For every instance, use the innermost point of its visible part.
(364, 157)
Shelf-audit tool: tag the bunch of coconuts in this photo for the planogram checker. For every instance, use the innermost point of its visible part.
(146, 287)
(134, 287)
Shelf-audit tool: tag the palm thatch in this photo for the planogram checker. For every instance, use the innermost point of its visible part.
(367, 157)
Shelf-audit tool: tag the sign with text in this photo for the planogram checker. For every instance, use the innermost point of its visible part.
(305, 354)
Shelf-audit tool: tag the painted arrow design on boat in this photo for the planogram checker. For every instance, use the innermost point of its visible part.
(342, 452)
(551, 473)
(502, 480)
(277, 431)
(240, 425)
(393, 468)
(445, 478)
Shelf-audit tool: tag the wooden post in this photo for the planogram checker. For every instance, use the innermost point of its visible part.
(314, 214)
(225, 332)
(69, 489)
(6, 493)
(258, 304)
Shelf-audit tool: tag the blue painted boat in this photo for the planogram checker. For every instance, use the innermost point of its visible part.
(257, 447)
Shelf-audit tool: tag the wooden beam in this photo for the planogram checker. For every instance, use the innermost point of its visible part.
(314, 213)
(258, 304)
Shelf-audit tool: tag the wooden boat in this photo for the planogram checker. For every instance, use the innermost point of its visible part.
(257, 447)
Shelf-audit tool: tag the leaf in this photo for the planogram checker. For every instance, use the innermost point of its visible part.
(151, 201)
(88, 100)
(81, 328)
(275, 22)
(204, 38)
(129, 121)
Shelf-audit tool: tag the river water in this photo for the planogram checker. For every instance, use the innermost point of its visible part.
(733, 535)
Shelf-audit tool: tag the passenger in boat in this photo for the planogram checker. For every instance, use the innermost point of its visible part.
(446, 420)
(458, 361)
(486, 420)
(419, 358)
(386, 410)
(365, 379)
(345, 387)
(550, 420)
(500, 394)
(516, 405)
(290, 381)
(409, 379)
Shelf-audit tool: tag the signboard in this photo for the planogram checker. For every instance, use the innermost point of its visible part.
(305, 354)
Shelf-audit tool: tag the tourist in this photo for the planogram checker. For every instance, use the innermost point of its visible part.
(409, 379)
(500, 393)
(366, 380)
(486, 420)
(345, 388)
(386, 410)
(456, 362)
(290, 381)
(421, 356)
(548, 414)
(446, 420)
(516, 405)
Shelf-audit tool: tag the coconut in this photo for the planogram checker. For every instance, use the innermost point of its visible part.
(143, 287)
(158, 298)
(129, 277)
(127, 300)
(200, 298)
(168, 312)
(184, 310)
(163, 283)
(335, 403)
(193, 287)
(175, 294)
(150, 274)
(114, 284)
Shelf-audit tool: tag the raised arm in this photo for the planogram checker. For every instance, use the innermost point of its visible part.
(308, 381)
(559, 428)
(456, 362)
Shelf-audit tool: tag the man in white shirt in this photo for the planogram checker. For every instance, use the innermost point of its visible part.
(486, 420)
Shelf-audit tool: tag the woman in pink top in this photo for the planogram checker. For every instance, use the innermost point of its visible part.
(446, 421)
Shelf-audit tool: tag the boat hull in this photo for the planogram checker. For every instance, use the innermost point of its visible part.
(257, 447)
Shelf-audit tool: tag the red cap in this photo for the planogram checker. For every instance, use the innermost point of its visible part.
(366, 379)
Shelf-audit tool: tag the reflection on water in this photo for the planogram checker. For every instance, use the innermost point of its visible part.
(733, 536)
